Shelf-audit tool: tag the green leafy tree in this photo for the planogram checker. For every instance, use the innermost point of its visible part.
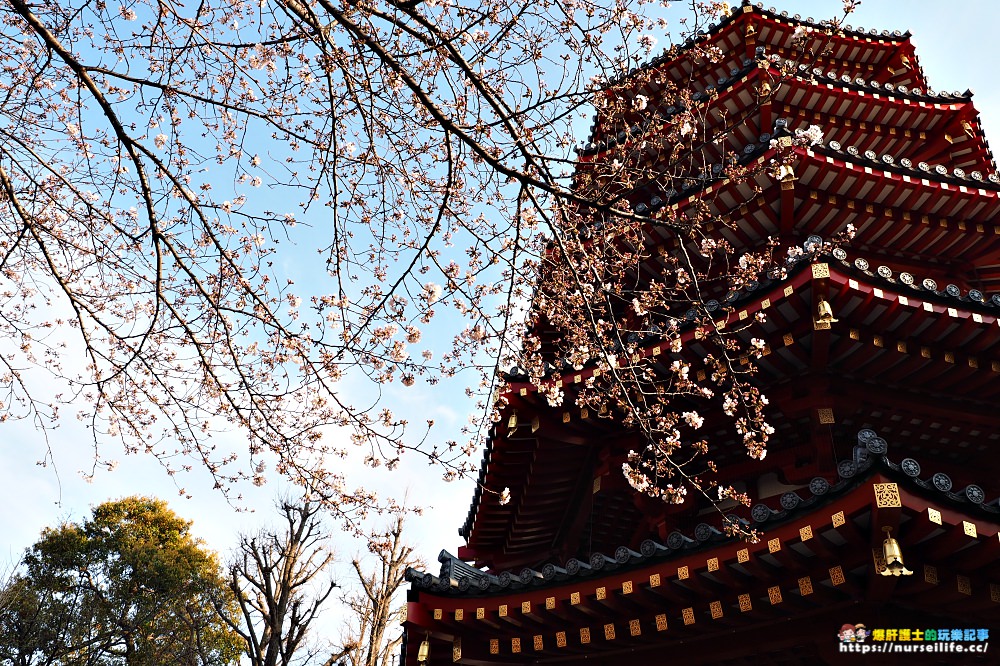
(128, 587)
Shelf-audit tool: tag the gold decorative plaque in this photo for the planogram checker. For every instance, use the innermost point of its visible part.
(887, 495)
(821, 270)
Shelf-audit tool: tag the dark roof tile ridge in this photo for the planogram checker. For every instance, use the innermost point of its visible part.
(802, 72)
(904, 166)
(951, 295)
(771, 12)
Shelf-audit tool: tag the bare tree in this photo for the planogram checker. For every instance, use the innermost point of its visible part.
(429, 145)
(375, 610)
(277, 578)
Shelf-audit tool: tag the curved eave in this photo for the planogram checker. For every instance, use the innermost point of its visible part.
(871, 463)
(858, 52)
(927, 129)
(913, 335)
(849, 113)
(988, 185)
(777, 29)
(929, 359)
(944, 218)
(514, 451)
(850, 34)
(901, 68)
(827, 163)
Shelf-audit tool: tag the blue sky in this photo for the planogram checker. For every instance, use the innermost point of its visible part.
(957, 46)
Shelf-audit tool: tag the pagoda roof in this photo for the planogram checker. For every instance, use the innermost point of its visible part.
(913, 353)
(848, 30)
(903, 290)
(650, 120)
(820, 558)
(885, 310)
(871, 457)
(851, 111)
(865, 163)
(849, 35)
(849, 49)
(923, 210)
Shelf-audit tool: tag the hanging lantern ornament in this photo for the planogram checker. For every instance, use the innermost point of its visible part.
(786, 173)
(424, 653)
(824, 313)
(893, 556)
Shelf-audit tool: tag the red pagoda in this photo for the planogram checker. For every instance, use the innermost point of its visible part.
(878, 499)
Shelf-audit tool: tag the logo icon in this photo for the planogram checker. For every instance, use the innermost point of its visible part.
(853, 633)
